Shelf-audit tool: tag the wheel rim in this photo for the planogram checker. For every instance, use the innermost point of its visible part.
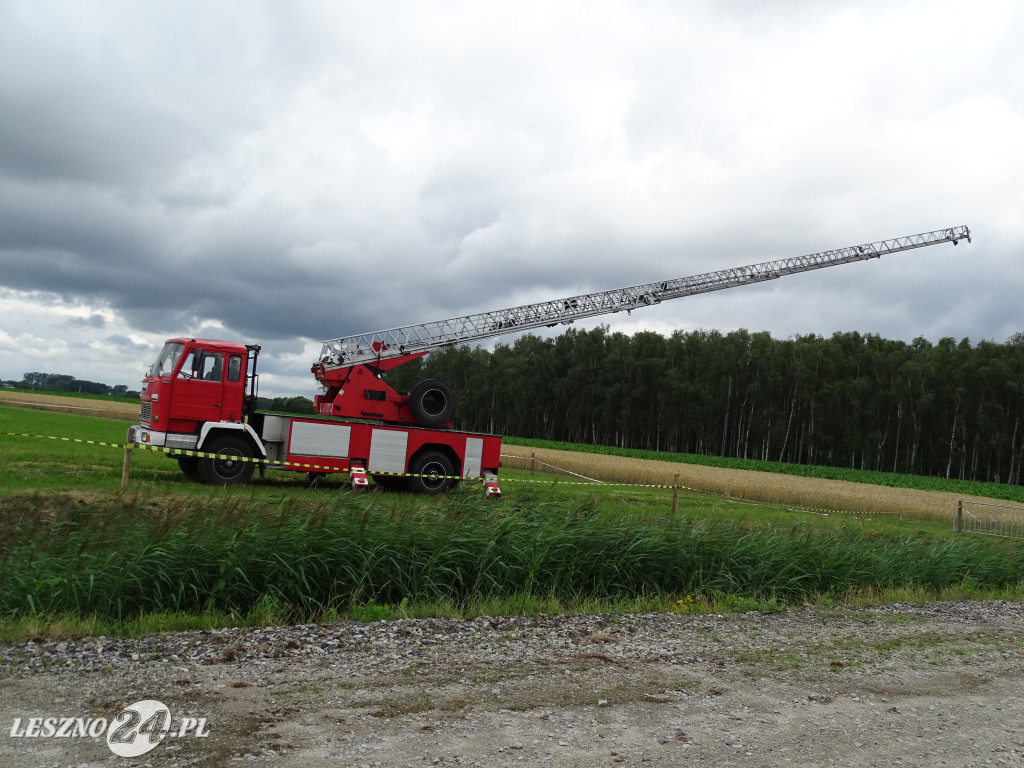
(228, 463)
(433, 475)
(434, 402)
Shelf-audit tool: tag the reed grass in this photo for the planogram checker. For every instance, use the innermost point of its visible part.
(306, 558)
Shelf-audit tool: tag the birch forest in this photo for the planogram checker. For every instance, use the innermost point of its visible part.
(949, 409)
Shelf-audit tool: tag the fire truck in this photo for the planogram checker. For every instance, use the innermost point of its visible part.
(199, 397)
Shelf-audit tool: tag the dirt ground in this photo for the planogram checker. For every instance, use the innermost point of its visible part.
(908, 685)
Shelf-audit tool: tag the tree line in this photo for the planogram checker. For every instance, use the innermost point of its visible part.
(950, 409)
(62, 382)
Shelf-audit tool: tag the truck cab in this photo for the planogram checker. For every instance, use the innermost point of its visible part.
(195, 394)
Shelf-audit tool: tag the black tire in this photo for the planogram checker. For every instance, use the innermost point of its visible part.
(189, 466)
(432, 473)
(431, 402)
(228, 467)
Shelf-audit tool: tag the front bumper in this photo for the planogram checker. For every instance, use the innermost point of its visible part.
(145, 436)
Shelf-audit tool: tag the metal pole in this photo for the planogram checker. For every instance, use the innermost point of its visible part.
(960, 516)
(533, 462)
(675, 493)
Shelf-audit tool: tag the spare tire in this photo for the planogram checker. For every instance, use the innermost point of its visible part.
(431, 402)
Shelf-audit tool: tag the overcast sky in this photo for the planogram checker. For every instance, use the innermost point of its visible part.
(281, 173)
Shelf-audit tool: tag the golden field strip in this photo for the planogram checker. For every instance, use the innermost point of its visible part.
(803, 492)
(104, 409)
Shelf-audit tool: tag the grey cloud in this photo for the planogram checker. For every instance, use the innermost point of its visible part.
(92, 321)
(330, 169)
(124, 342)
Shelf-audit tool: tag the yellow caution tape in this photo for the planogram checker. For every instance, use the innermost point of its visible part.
(269, 463)
(175, 452)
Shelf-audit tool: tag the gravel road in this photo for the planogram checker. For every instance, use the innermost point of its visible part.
(938, 684)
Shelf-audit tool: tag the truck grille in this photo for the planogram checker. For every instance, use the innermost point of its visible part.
(146, 413)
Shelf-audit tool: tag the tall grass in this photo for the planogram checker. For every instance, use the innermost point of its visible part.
(235, 554)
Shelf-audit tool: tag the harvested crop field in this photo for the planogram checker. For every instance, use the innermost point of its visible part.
(104, 409)
(806, 492)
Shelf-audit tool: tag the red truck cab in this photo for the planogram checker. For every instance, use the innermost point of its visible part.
(195, 381)
(195, 394)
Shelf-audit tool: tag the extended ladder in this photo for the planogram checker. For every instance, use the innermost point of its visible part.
(377, 346)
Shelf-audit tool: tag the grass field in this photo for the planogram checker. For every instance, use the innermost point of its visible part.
(78, 555)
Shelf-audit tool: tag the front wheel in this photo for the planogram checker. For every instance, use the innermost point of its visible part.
(189, 466)
(231, 463)
(432, 472)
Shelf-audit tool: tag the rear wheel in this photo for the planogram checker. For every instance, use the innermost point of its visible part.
(431, 402)
(232, 462)
(432, 473)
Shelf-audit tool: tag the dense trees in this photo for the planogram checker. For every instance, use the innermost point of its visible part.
(285, 404)
(62, 382)
(858, 400)
(59, 382)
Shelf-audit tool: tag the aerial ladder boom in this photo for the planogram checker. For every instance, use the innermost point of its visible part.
(380, 351)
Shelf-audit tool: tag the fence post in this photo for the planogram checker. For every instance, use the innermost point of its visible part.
(675, 493)
(960, 516)
(533, 462)
(127, 460)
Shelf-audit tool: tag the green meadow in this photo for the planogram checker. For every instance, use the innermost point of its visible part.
(80, 556)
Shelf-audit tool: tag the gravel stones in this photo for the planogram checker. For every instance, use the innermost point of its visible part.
(889, 685)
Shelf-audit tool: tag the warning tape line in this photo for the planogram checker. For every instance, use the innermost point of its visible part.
(177, 452)
(602, 483)
(266, 462)
(534, 459)
(64, 439)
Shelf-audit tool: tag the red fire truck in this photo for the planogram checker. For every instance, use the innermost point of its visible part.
(199, 397)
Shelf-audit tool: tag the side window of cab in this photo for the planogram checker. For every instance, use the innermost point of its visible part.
(212, 366)
(234, 367)
(190, 367)
(202, 366)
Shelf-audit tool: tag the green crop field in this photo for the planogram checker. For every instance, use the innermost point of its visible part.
(78, 555)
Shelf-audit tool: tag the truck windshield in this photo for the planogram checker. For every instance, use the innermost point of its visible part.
(164, 364)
